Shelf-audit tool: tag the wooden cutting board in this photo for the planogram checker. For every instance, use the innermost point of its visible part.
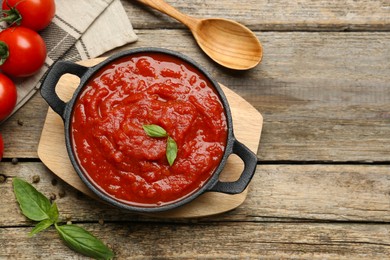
(247, 124)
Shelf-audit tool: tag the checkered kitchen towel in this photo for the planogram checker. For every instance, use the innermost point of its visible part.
(81, 29)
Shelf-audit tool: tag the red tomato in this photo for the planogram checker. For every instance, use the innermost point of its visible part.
(22, 51)
(1, 147)
(33, 14)
(8, 96)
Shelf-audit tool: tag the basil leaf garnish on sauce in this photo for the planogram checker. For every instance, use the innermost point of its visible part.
(157, 131)
(171, 150)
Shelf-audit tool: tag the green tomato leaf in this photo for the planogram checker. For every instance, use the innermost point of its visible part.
(34, 205)
(81, 241)
(155, 131)
(171, 152)
(44, 224)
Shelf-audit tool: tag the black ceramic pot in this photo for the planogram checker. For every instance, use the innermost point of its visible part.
(65, 111)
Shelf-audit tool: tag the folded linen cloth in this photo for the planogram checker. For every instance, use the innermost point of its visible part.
(81, 29)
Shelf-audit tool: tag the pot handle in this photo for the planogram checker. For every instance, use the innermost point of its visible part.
(49, 84)
(250, 163)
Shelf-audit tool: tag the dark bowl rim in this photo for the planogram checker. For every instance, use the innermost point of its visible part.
(109, 198)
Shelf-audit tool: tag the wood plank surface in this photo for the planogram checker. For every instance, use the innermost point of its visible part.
(278, 192)
(322, 186)
(212, 240)
(279, 15)
(324, 96)
(269, 223)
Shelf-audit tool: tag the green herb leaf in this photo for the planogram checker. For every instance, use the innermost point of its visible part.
(34, 205)
(44, 224)
(155, 131)
(158, 131)
(53, 213)
(83, 242)
(171, 152)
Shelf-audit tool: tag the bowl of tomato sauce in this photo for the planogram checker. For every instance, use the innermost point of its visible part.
(148, 129)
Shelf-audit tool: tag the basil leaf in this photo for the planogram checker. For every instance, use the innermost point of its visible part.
(155, 131)
(34, 205)
(158, 131)
(44, 224)
(53, 213)
(81, 241)
(171, 152)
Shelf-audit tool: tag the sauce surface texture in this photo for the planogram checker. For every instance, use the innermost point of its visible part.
(115, 152)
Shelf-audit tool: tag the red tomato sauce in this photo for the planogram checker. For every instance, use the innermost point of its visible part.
(114, 150)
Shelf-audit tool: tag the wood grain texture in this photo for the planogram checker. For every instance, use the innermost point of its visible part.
(323, 190)
(324, 96)
(244, 50)
(212, 240)
(279, 15)
(277, 193)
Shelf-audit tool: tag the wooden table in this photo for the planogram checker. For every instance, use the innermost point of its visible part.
(322, 185)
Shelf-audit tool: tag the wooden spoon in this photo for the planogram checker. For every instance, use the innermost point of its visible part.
(227, 42)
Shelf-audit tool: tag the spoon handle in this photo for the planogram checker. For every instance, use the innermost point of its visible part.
(165, 8)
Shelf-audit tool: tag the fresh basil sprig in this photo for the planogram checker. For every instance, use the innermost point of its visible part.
(157, 131)
(37, 207)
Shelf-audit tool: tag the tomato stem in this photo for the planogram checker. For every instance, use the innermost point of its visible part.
(4, 52)
(11, 16)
